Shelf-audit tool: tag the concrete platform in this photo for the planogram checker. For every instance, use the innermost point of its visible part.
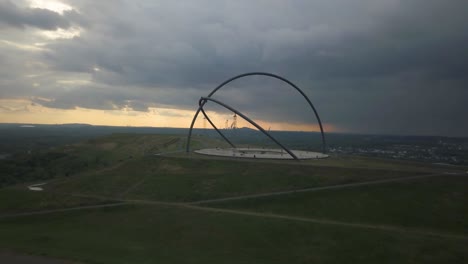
(260, 153)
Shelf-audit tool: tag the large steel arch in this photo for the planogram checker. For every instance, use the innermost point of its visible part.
(203, 101)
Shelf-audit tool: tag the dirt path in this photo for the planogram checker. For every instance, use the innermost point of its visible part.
(330, 187)
(330, 222)
(120, 203)
(195, 206)
(295, 218)
(246, 213)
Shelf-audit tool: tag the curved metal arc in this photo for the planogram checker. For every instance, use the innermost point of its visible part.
(203, 100)
(189, 136)
(213, 125)
(262, 74)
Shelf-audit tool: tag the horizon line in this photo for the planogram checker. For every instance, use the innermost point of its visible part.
(297, 131)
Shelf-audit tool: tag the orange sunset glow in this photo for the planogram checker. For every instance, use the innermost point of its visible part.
(23, 111)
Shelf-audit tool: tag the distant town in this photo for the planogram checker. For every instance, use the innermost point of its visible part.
(442, 152)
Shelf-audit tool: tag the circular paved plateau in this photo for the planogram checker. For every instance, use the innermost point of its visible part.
(260, 153)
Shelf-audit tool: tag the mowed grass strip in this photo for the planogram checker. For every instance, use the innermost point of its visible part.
(436, 203)
(183, 179)
(162, 234)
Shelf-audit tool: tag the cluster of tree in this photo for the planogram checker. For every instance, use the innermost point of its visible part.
(39, 166)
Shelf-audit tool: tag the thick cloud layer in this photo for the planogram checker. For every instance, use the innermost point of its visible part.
(371, 66)
(12, 15)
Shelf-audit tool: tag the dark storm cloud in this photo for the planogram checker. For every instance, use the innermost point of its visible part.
(187, 45)
(12, 15)
(385, 66)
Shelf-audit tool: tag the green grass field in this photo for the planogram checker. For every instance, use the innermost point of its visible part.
(162, 234)
(420, 220)
(436, 203)
(190, 179)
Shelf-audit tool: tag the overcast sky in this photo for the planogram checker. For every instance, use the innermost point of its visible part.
(369, 66)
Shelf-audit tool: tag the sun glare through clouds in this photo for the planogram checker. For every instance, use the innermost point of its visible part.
(60, 8)
(50, 5)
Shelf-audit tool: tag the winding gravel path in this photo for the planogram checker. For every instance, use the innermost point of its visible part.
(330, 187)
(196, 206)
(120, 203)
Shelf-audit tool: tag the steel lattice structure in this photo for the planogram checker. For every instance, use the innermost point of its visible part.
(204, 100)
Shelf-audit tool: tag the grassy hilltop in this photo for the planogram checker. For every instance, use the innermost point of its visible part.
(129, 198)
